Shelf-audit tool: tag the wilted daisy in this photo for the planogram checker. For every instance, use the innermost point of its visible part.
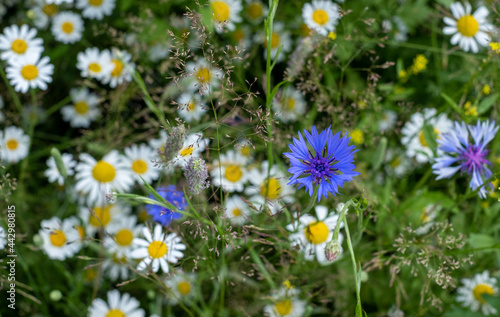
(125, 230)
(202, 76)
(3, 238)
(117, 305)
(29, 71)
(157, 249)
(469, 29)
(465, 145)
(61, 239)
(140, 161)
(255, 11)
(191, 107)
(18, 42)
(122, 68)
(230, 172)
(290, 105)
(84, 109)
(96, 9)
(414, 137)
(67, 27)
(95, 64)
(472, 291)
(313, 234)
(14, 144)
(327, 167)
(321, 16)
(171, 195)
(279, 37)
(107, 216)
(53, 174)
(182, 286)
(96, 178)
(226, 13)
(388, 120)
(237, 210)
(286, 303)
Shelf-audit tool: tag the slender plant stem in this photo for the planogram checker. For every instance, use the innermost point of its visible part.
(12, 93)
(355, 270)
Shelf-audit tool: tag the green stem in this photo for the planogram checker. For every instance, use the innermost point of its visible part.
(255, 257)
(12, 93)
(355, 271)
(58, 106)
(147, 97)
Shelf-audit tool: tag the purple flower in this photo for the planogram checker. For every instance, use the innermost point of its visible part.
(326, 161)
(164, 215)
(469, 155)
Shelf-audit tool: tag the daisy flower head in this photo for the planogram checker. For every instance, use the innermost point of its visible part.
(397, 163)
(84, 109)
(471, 293)
(157, 249)
(109, 217)
(286, 303)
(122, 69)
(279, 38)
(96, 178)
(53, 174)
(468, 29)
(43, 12)
(191, 107)
(242, 36)
(116, 266)
(3, 238)
(29, 71)
(67, 27)
(245, 148)
(226, 13)
(313, 234)
(58, 2)
(61, 239)
(230, 172)
(18, 42)
(325, 161)
(164, 215)
(429, 213)
(117, 305)
(255, 11)
(182, 286)
(93, 63)
(96, 9)
(464, 149)
(193, 145)
(140, 161)
(290, 106)
(237, 210)
(14, 144)
(388, 121)
(321, 16)
(158, 52)
(202, 76)
(124, 233)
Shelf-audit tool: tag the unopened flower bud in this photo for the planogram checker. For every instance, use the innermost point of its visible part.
(332, 250)
(169, 150)
(197, 175)
(340, 206)
(55, 295)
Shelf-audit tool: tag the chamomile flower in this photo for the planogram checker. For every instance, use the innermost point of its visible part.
(14, 144)
(237, 210)
(84, 109)
(226, 13)
(245, 148)
(388, 121)
(193, 145)
(43, 12)
(468, 29)
(242, 36)
(96, 9)
(18, 42)
(397, 163)
(158, 51)
(95, 64)
(290, 105)
(321, 16)
(182, 286)
(140, 161)
(122, 68)
(313, 234)
(125, 231)
(255, 11)
(191, 107)
(117, 305)
(427, 216)
(67, 27)
(230, 172)
(29, 71)
(116, 266)
(58, 2)
(53, 174)
(96, 178)
(157, 249)
(61, 239)
(279, 38)
(397, 27)
(3, 238)
(286, 303)
(471, 293)
(413, 133)
(107, 216)
(202, 76)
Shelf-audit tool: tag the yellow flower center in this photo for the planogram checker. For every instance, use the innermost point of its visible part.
(81, 232)
(12, 144)
(95, 3)
(236, 212)
(203, 75)
(103, 172)
(119, 259)
(395, 162)
(29, 72)
(425, 217)
(157, 249)
(95, 68)
(270, 188)
(467, 25)
(289, 104)
(187, 151)
(57, 238)
(275, 40)
(238, 35)
(254, 10)
(481, 289)
(184, 287)
(67, 27)
(81, 107)
(221, 11)
(50, 9)
(19, 46)
(124, 237)
(320, 16)
(422, 137)
(316, 232)
(114, 312)
(304, 30)
(233, 173)
(118, 68)
(102, 216)
(284, 307)
(90, 274)
(245, 151)
(191, 106)
(139, 166)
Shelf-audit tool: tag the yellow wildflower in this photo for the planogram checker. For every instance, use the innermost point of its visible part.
(332, 35)
(357, 136)
(486, 90)
(419, 64)
(495, 46)
(469, 110)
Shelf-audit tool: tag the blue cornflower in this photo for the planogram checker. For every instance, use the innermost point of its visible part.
(327, 161)
(470, 155)
(164, 215)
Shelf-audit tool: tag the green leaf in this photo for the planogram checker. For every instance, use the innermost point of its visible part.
(207, 17)
(486, 103)
(430, 137)
(380, 153)
(458, 312)
(480, 240)
(59, 162)
(451, 102)
(492, 300)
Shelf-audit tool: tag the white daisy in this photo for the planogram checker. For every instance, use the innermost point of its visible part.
(53, 174)
(20, 42)
(202, 76)
(97, 178)
(226, 13)
(83, 110)
(43, 12)
(117, 266)
(107, 216)
(140, 161)
(245, 148)
(255, 11)
(61, 240)
(242, 36)
(124, 233)
(96, 9)
(286, 303)
(396, 163)
(321, 16)
(388, 120)
(230, 173)
(58, 2)
(398, 29)
(67, 27)
(429, 213)
(29, 71)
(279, 37)
(93, 63)
(14, 144)
(3, 238)
(237, 210)
(191, 107)
(160, 141)
(122, 69)
(192, 147)
(471, 293)
(157, 249)
(290, 105)
(469, 29)
(314, 234)
(182, 286)
(158, 52)
(117, 305)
